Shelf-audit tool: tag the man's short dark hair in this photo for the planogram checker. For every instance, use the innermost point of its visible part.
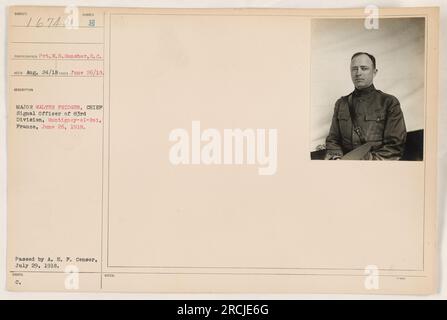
(365, 53)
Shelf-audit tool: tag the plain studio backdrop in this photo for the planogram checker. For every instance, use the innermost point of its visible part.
(398, 45)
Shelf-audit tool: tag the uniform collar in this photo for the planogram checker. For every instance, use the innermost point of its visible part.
(364, 91)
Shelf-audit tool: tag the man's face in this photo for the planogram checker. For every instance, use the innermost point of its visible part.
(362, 71)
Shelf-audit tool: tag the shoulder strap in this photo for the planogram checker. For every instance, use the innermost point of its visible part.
(355, 125)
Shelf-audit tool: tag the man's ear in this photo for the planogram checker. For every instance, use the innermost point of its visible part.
(375, 72)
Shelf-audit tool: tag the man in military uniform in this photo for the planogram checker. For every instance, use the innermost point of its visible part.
(367, 124)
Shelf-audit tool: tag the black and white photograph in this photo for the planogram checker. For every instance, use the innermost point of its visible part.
(368, 89)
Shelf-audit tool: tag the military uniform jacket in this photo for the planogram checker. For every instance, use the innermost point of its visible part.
(380, 118)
